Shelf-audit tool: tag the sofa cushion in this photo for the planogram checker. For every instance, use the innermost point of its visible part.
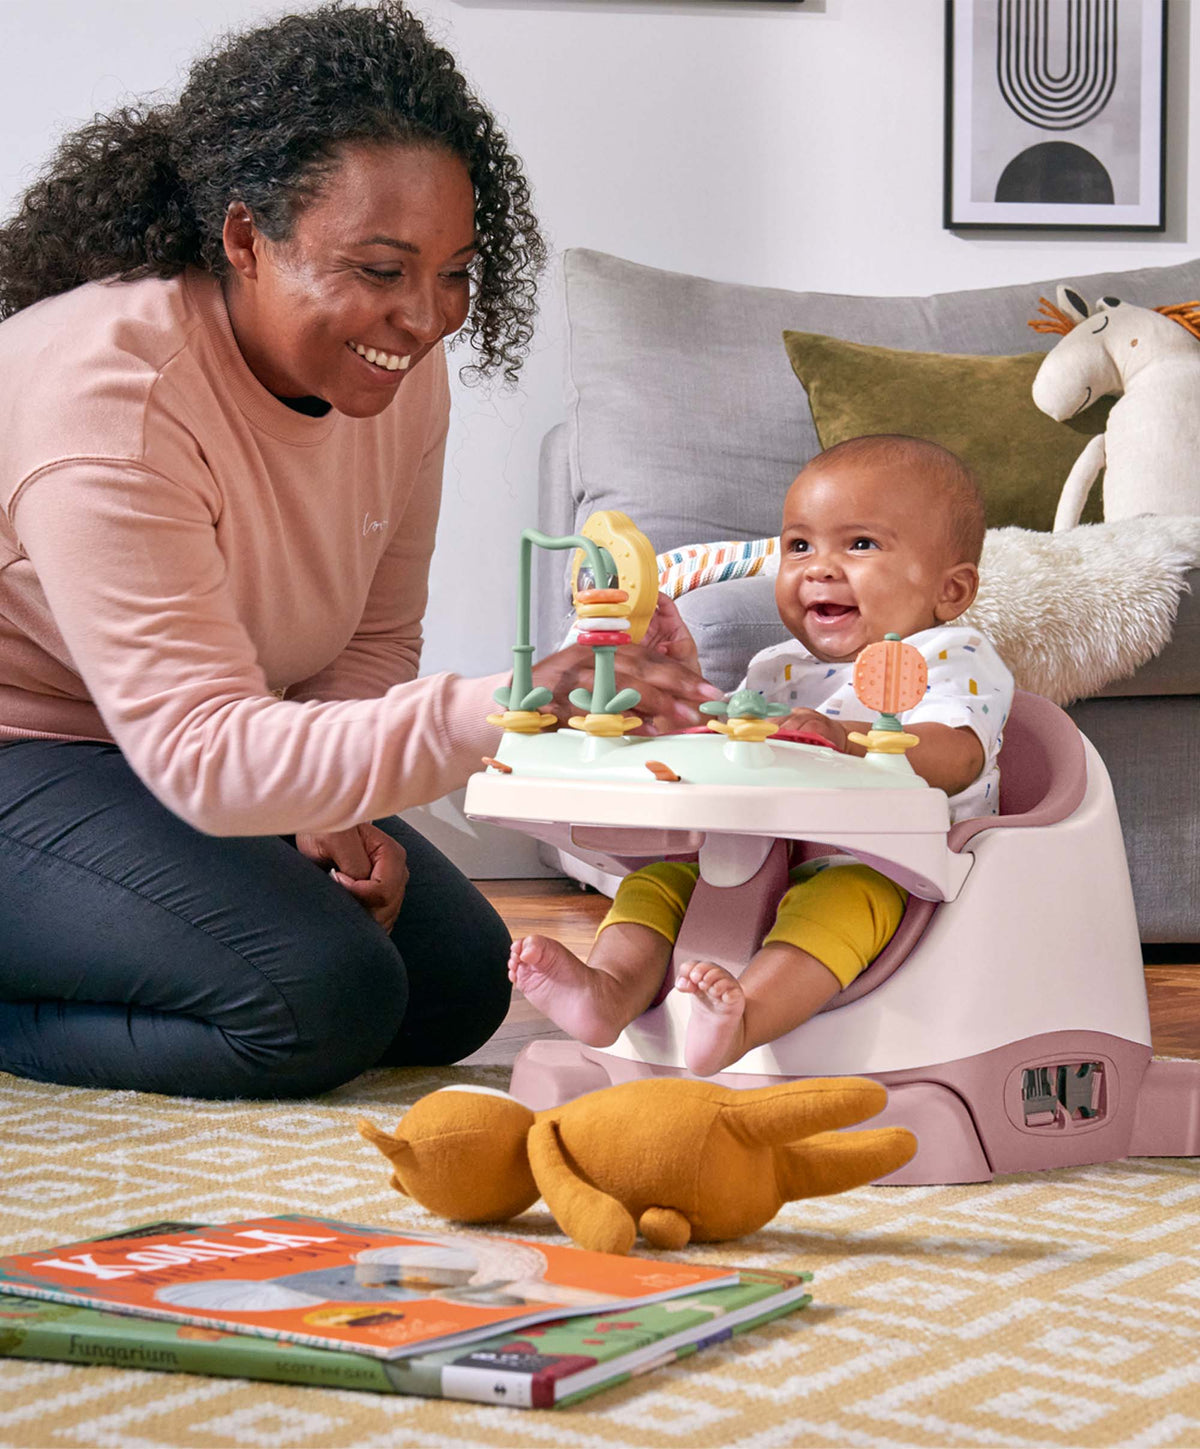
(981, 408)
(730, 623)
(683, 410)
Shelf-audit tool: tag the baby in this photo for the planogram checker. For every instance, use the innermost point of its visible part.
(880, 534)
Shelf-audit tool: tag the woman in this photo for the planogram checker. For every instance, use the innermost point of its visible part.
(225, 408)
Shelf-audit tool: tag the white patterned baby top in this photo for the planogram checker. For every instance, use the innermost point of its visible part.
(969, 684)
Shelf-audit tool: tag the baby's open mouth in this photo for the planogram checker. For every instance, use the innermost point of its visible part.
(826, 611)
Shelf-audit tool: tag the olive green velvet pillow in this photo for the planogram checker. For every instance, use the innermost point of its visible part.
(979, 407)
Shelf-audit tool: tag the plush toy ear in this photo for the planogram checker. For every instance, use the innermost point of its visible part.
(462, 1154)
(799, 1120)
(837, 1161)
(1072, 303)
(395, 1149)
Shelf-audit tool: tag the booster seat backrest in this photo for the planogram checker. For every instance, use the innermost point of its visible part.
(1043, 770)
(1043, 777)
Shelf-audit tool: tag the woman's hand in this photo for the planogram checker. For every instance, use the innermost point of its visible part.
(663, 668)
(365, 861)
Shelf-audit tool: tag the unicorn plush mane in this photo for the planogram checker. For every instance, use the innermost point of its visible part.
(1054, 319)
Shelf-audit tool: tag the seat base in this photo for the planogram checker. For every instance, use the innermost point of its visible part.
(1059, 1100)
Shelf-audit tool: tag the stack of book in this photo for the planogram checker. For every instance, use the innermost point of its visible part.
(312, 1300)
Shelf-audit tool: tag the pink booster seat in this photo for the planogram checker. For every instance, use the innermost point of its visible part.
(1007, 1016)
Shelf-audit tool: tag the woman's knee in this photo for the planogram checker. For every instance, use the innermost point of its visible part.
(303, 1023)
(493, 990)
(472, 1011)
(459, 991)
(345, 1000)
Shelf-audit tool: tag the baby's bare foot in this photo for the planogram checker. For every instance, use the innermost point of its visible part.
(716, 1027)
(564, 988)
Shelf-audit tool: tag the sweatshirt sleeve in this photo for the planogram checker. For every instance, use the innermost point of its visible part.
(136, 583)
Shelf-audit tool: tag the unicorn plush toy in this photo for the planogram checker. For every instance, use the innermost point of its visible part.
(1149, 358)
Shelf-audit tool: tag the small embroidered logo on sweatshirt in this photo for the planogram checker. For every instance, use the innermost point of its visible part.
(372, 525)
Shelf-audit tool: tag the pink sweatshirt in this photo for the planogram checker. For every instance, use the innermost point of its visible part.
(177, 546)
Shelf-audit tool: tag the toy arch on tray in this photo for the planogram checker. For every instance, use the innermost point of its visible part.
(1008, 1015)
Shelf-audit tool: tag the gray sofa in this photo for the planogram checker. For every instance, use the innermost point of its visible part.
(683, 411)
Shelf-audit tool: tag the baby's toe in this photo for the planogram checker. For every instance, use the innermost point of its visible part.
(530, 950)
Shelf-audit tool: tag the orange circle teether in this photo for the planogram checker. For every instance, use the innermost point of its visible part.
(891, 676)
(602, 596)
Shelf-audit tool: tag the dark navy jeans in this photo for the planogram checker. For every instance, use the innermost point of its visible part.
(136, 952)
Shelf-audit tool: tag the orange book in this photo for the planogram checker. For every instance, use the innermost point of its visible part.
(331, 1284)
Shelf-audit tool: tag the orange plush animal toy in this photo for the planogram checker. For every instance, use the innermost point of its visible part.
(676, 1159)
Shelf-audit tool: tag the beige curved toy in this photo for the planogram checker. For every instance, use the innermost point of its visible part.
(633, 555)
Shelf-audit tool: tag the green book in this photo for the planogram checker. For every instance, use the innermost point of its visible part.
(546, 1365)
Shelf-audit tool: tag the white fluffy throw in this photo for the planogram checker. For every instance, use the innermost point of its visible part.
(1071, 612)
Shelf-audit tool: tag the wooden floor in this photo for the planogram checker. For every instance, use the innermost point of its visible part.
(560, 908)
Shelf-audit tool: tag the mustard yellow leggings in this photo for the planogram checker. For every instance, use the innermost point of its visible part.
(844, 915)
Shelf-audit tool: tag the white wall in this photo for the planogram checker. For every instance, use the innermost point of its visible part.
(788, 145)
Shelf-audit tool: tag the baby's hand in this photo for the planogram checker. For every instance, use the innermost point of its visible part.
(668, 634)
(811, 722)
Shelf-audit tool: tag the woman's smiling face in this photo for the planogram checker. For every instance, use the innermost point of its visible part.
(376, 262)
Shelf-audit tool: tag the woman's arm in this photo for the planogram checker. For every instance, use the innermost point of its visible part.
(137, 586)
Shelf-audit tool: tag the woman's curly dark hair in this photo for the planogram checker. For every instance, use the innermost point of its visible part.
(144, 192)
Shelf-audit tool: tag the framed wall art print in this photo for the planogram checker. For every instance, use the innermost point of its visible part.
(1055, 114)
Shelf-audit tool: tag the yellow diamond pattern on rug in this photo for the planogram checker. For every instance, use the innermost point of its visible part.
(1055, 1309)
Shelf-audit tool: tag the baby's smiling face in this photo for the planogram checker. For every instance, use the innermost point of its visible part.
(865, 551)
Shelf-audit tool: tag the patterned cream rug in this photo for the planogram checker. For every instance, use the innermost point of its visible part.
(1059, 1309)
